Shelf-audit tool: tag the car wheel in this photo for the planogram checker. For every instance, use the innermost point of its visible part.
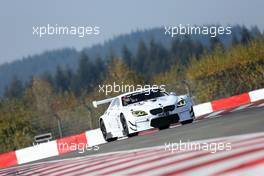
(164, 127)
(124, 125)
(132, 134)
(187, 122)
(103, 129)
(111, 139)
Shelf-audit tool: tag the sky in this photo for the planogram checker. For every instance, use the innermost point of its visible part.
(113, 17)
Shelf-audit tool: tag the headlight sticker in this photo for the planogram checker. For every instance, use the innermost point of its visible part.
(181, 103)
(139, 113)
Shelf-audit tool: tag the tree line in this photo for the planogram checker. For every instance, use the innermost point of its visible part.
(212, 71)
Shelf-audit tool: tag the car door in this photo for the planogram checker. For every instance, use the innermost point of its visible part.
(114, 114)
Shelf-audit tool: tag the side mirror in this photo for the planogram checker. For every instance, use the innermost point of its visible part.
(173, 93)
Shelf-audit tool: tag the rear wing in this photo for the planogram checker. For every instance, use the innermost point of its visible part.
(96, 103)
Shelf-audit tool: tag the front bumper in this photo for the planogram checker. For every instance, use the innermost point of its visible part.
(161, 120)
(138, 126)
(164, 121)
(181, 114)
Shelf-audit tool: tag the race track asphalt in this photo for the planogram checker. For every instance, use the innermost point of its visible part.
(235, 123)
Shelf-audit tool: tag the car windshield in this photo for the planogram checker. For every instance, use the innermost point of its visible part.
(141, 96)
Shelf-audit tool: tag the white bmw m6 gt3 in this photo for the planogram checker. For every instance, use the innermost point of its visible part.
(137, 111)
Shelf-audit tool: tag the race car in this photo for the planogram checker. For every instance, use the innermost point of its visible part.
(142, 110)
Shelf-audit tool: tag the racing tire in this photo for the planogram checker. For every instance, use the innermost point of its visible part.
(103, 129)
(125, 127)
(187, 122)
(111, 139)
(132, 134)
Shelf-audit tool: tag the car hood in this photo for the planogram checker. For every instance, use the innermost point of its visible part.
(153, 103)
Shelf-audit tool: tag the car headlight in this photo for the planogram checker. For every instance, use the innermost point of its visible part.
(181, 103)
(139, 113)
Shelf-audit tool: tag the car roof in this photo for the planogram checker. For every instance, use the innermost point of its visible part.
(137, 91)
